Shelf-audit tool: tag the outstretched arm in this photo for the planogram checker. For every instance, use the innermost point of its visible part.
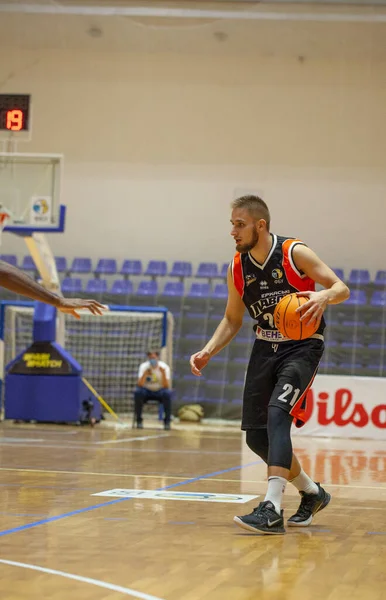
(15, 280)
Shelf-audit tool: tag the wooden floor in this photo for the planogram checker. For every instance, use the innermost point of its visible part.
(58, 541)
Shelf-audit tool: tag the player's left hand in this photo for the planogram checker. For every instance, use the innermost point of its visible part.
(70, 306)
(312, 311)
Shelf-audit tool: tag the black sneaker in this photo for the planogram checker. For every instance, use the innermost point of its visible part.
(263, 519)
(167, 426)
(310, 504)
(139, 425)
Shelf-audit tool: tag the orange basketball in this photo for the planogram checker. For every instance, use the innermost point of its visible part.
(287, 320)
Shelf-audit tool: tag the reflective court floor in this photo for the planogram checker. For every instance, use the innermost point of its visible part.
(59, 540)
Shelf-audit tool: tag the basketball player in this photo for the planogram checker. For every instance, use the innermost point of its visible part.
(16, 281)
(265, 268)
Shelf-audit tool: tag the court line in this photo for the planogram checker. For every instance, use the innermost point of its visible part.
(93, 446)
(118, 500)
(158, 476)
(134, 439)
(103, 584)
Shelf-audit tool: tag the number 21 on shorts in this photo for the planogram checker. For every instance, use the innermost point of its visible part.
(288, 391)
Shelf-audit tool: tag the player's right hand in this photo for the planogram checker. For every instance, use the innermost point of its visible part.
(72, 305)
(198, 361)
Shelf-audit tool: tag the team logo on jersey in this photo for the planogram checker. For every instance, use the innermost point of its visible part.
(250, 278)
(277, 274)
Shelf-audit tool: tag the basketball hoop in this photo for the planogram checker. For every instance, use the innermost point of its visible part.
(4, 216)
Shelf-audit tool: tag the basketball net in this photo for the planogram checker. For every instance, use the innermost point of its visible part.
(4, 216)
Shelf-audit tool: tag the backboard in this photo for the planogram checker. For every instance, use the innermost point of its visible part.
(30, 192)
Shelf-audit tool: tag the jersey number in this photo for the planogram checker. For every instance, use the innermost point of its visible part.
(269, 317)
(288, 389)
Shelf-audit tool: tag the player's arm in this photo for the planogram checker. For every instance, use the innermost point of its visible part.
(15, 280)
(335, 292)
(225, 332)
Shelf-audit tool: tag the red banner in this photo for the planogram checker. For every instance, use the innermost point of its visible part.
(346, 407)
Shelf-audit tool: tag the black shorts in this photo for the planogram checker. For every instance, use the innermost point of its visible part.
(279, 375)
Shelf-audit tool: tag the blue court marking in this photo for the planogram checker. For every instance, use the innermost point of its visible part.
(376, 532)
(118, 500)
(182, 523)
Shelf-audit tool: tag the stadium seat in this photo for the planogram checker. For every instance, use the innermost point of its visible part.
(131, 267)
(380, 278)
(71, 285)
(199, 290)
(208, 270)
(11, 259)
(339, 273)
(28, 264)
(220, 291)
(61, 264)
(147, 288)
(81, 265)
(359, 277)
(378, 299)
(96, 286)
(224, 270)
(106, 266)
(181, 269)
(121, 287)
(156, 268)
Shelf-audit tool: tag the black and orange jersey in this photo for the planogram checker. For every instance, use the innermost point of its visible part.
(262, 286)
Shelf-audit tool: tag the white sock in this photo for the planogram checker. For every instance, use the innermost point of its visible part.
(276, 488)
(304, 483)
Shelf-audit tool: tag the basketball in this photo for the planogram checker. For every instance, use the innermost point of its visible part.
(287, 320)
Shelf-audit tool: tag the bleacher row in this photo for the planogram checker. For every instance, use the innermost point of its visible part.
(355, 335)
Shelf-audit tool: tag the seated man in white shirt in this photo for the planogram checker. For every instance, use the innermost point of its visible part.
(153, 384)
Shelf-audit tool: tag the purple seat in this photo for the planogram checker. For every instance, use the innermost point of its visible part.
(339, 273)
(199, 290)
(81, 265)
(357, 298)
(359, 277)
(181, 269)
(28, 264)
(9, 258)
(220, 291)
(96, 286)
(147, 288)
(224, 270)
(156, 268)
(173, 288)
(208, 270)
(378, 299)
(121, 287)
(61, 264)
(380, 278)
(71, 285)
(106, 266)
(131, 267)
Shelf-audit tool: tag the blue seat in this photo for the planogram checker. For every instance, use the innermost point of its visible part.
(378, 299)
(199, 290)
(357, 298)
(181, 269)
(359, 277)
(106, 266)
(224, 270)
(121, 287)
(81, 265)
(208, 270)
(9, 258)
(96, 286)
(173, 288)
(339, 273)
(61, 264)
(156, 268)
(131, 267)
(147, 288)
(220, 291)
(71, 285)
(380, 278)
(28, 264)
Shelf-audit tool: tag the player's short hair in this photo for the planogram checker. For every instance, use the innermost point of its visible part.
(153, 352)
(256, 207)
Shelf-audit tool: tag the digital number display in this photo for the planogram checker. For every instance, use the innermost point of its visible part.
(14, 112)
